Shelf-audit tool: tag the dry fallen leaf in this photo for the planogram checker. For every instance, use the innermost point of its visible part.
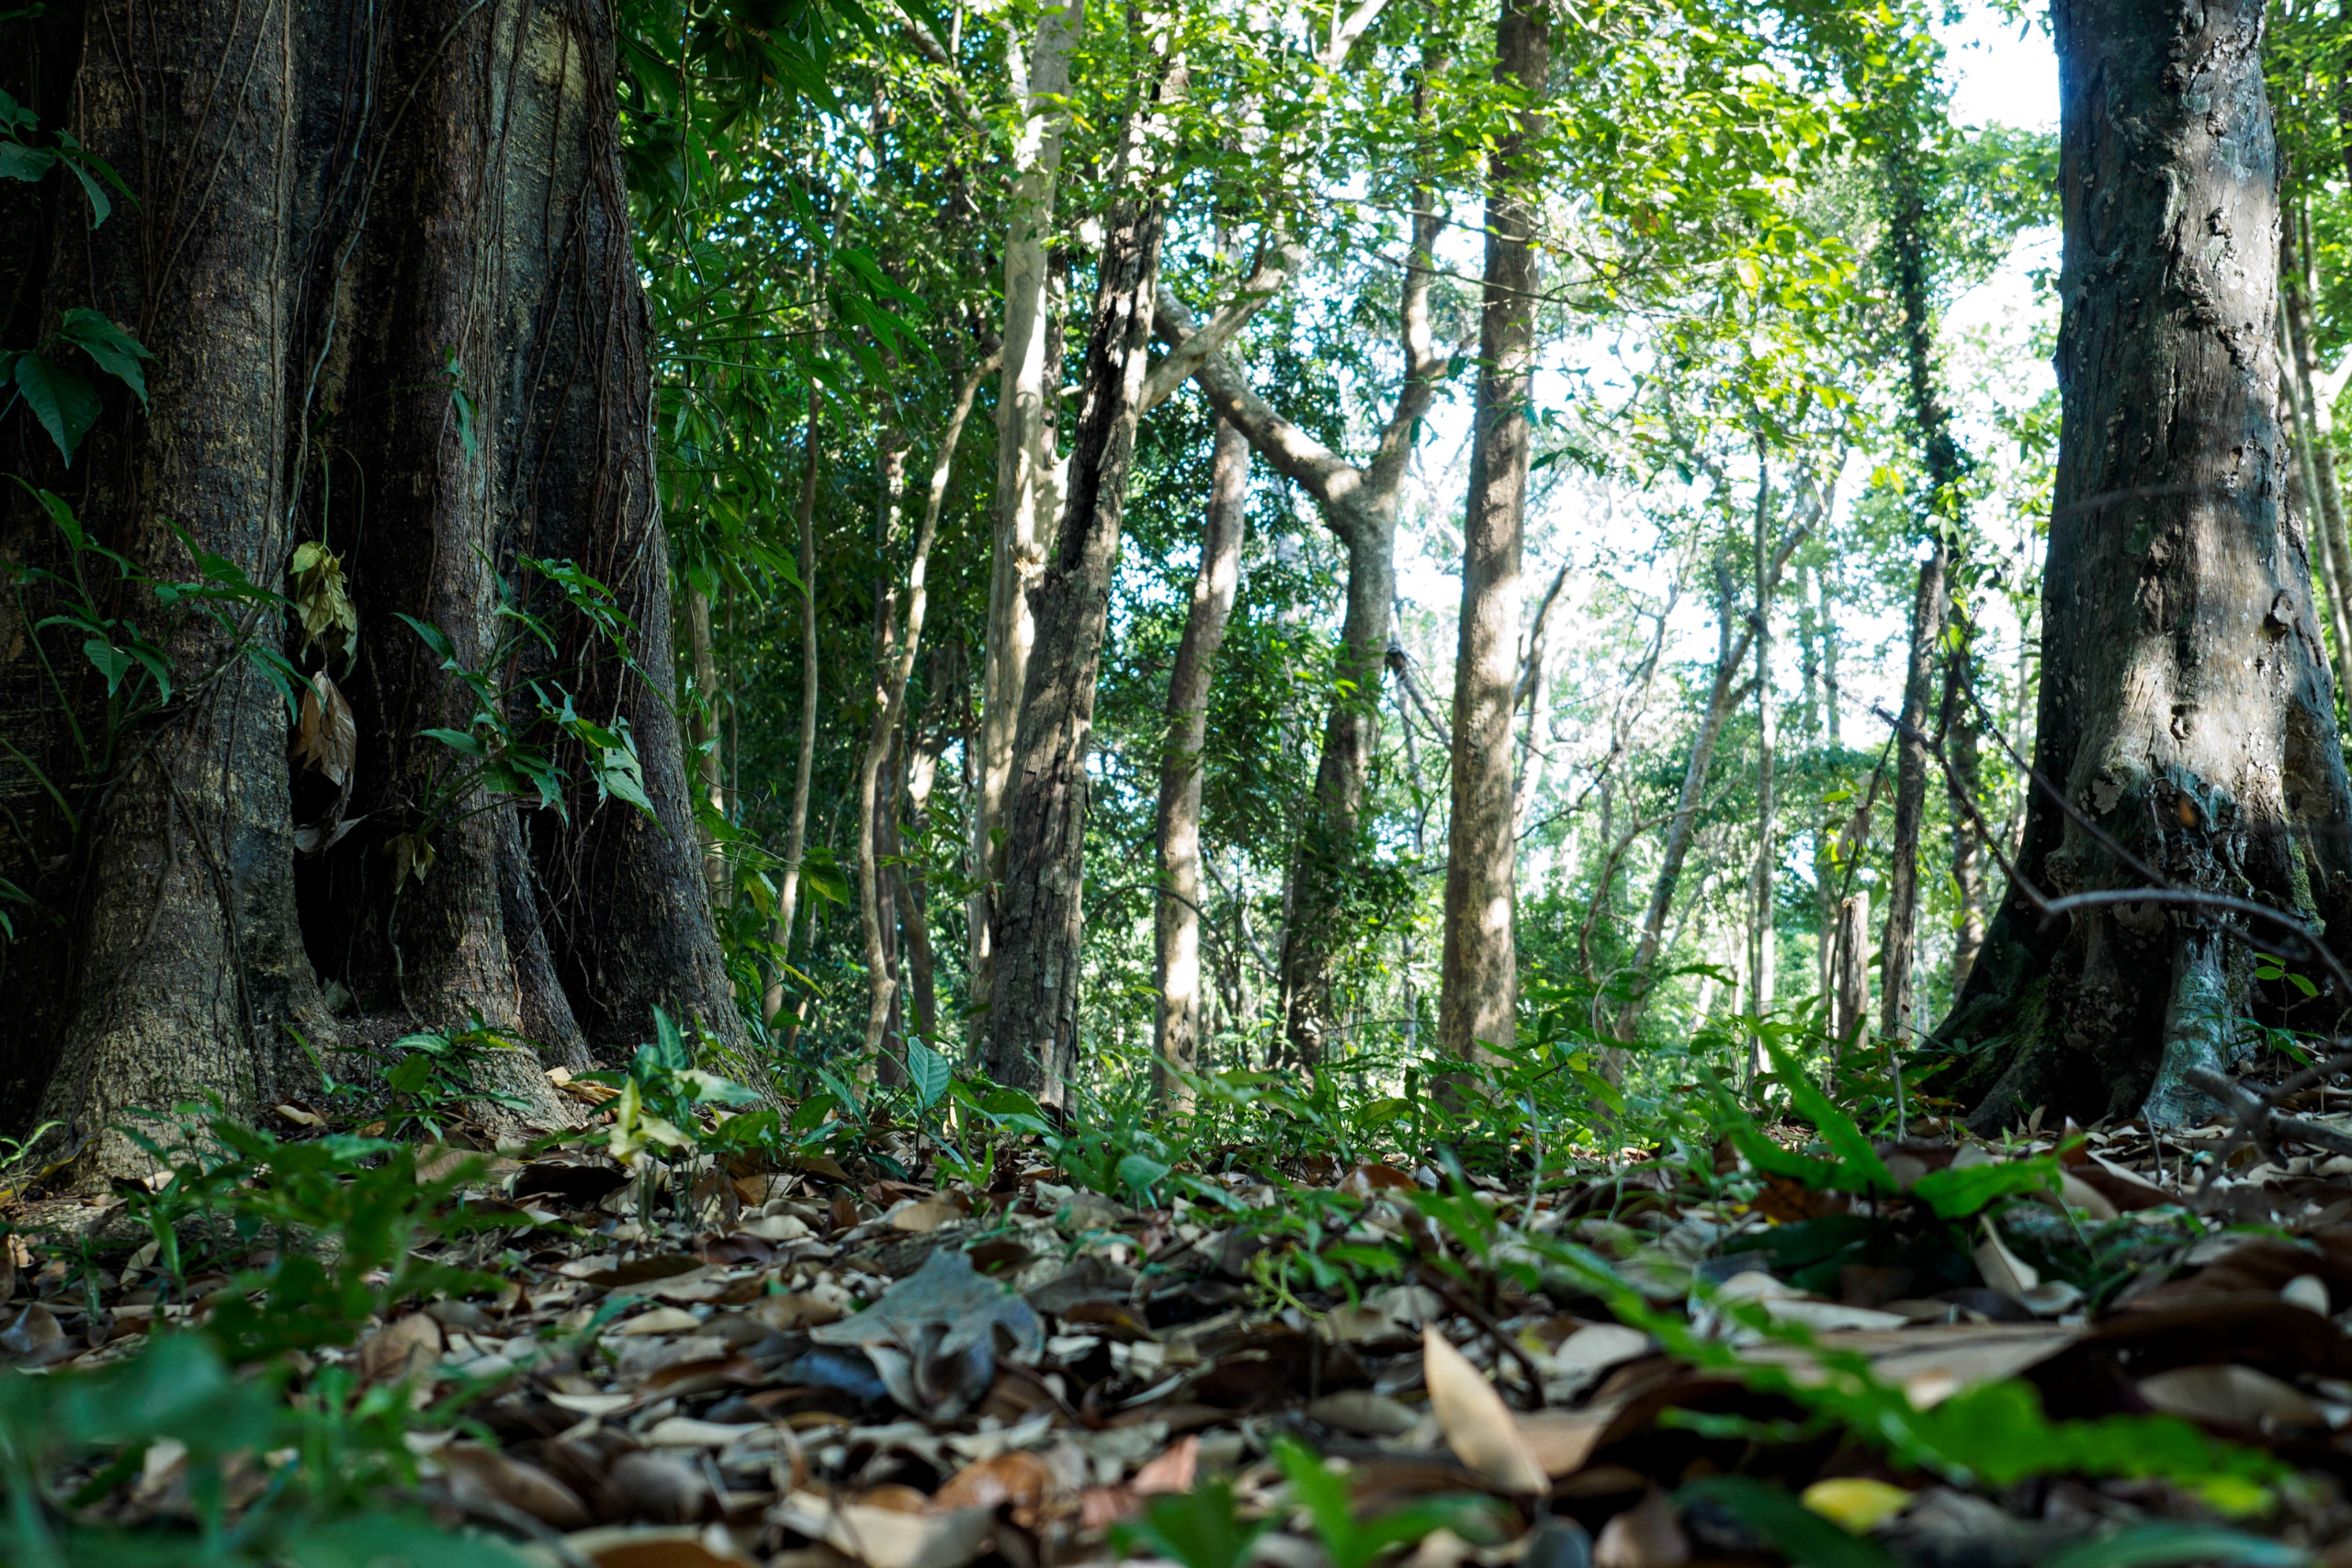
(1018, 1479)
(883, 1537)
(2235, 1395)
(1644, 1536)
(1478, 1427)
(411, 1344)
(475, 1471)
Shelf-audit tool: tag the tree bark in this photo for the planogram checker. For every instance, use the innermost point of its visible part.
(1032, 1031)
(357, 292)
(1478, 991)
(1958, 727)
(1028, 467)
(2185, 703)
(1176, 924)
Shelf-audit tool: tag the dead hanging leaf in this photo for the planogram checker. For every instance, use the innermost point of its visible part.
(1478, 1427)
(327, 738)
(322, 603)
(411, 857)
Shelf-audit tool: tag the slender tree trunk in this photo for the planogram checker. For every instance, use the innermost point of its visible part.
(702, 731)
(2300, 375)
(1028, 482)
(1958, 727)
(2302, 506)
(1851, 947)
(1810, 616)
(1762, 954)
(1032, 1039)
(1943, 467)
(1177, 913)
(1359, 505)
(1479, 993)
(894, 661)
(2185, 703)
(795, 823)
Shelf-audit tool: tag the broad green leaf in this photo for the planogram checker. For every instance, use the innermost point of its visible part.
(2160, 1544)
(928, 1072)
(1956, 1194)
(1140, 1172)
(116, 351)
(112, 662)
(18, 161)
(65, 404)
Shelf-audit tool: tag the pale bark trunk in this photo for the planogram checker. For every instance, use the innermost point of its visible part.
(1850, 944)
(795, 823)
(895, 645)
(1958, 727)
(1028, 465)
(1176, 926)
(709, 769)
(2317, 450)
(2185, 698)
(1478, 994)
(1762, 955)
(1037, 926)
(2302, 503)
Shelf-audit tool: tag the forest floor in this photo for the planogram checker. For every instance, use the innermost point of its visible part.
(1964, 1356)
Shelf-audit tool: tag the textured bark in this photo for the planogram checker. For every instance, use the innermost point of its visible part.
(399, 210)
(1958, 727)
(1176, 920)
(1032, 1029)
(2303, 499)
(1850, 970)
(1478, 996)
(2186, 705)
(1028, 469)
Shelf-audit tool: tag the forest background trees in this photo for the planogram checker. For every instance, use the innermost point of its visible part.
(1065, 537)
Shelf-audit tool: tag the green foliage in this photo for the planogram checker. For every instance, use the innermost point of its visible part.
(1198, 1528)
(1787, 1526)
(1351, 1542)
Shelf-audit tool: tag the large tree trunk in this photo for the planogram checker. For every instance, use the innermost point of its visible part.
(1176, 923)
(1032, 1029)
(360, 342)
(1028, 470)
(2185, 705)
(1478, 994)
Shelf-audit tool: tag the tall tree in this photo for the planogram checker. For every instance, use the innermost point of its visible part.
(392, 317)
(2185, 707)
(1477, 1000)
(1029, 466)
(1176, 922)
(1032, 1029)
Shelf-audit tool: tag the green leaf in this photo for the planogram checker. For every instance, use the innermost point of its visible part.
(18, 161)
(927, 1071)
(432, 636)
(620, 775)
(1140, 1171)
(1791, 1528)
(112, 662)
(2169, 1542)
(1846, 1140)
(116, 351)
(1957, 1194)
(1198, 1528)
(65, 404)
(457, 741)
